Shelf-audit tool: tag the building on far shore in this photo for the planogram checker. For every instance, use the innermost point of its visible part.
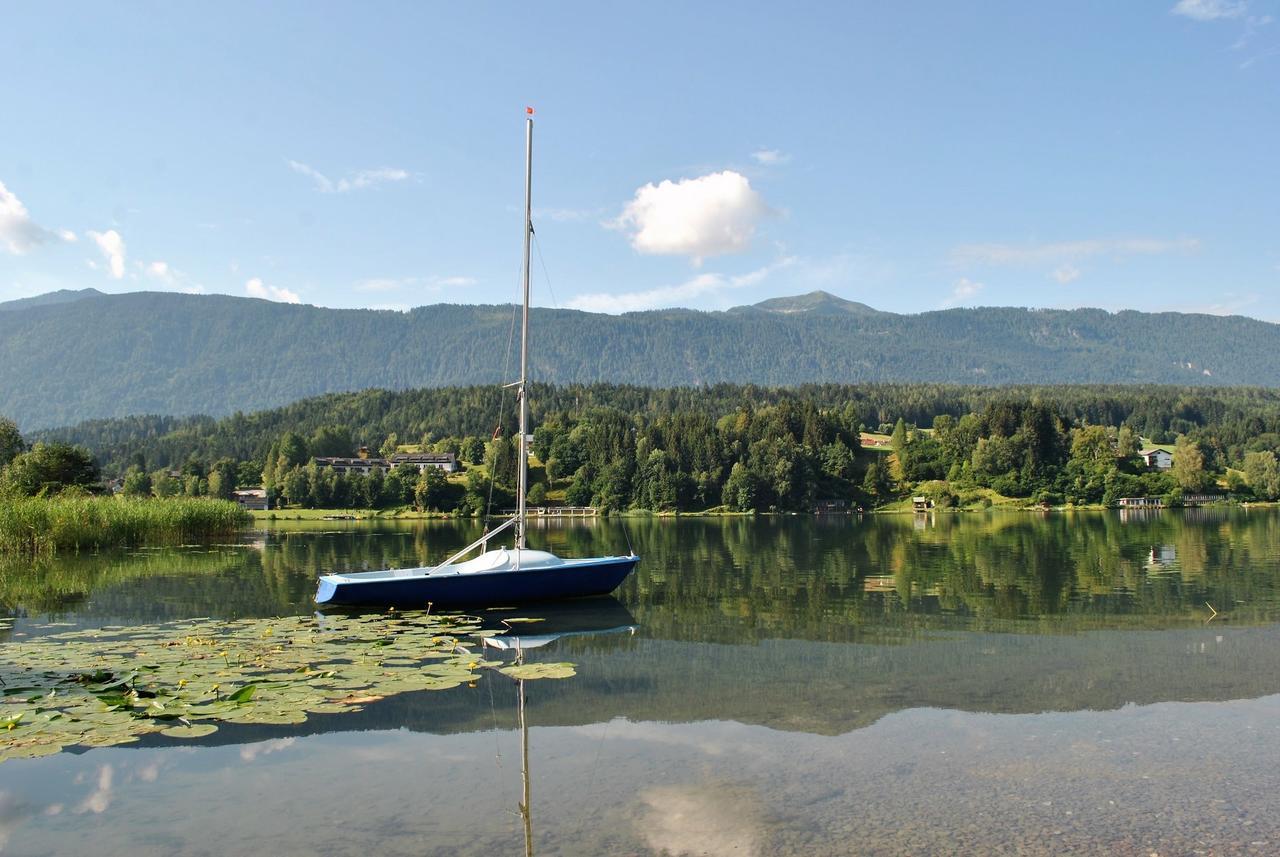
(364, 465)
(251, 498)
(446, 461)
(1157, 458)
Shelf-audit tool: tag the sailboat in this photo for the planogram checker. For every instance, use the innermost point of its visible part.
(503, 575)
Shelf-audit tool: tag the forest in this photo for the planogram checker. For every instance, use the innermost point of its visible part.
(735, 447)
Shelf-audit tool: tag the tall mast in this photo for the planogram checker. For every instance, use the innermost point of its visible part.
(522, 488)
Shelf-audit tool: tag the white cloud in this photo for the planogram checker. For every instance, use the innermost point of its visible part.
(369, 178)
(112, 246)
(677, 295)
(160, 271)
(196, 289)
(1209, 10)
(358, 180)
(707, 216)
(1066, 274)
(18, 232)
(964, 290)
(452, 282)
(257, 289)
(770, 157)
(1062, 252)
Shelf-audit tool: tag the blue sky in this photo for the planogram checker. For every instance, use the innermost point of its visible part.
(910, 156)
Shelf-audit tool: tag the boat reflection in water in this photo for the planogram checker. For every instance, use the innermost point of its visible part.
(579, 620)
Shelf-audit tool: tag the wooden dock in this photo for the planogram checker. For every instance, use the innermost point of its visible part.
(558, 511)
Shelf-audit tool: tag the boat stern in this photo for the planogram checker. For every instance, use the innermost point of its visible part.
(327, 588)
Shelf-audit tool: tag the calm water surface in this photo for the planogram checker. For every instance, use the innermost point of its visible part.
(1006, 683)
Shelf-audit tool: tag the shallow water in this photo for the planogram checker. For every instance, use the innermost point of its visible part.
(976, 683)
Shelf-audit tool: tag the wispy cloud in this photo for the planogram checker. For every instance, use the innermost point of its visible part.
(170, 276)
(1209, 10)
(258, 289)
(677, 295)
(770, 157)
(711, 215)
(962, 292)
(358, 180)
(111, 244)
(1066, 274)
(1063, 252)
(19, 234)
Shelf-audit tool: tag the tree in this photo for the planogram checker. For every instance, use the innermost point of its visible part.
(294, 487)
(431, 489)
(331, 441)
(293, 452)
(741, 489)
(222, 478)
(579, 491)
(876, 482)
(1262, 472)
(136, 483)
(164, 485)
(1188, 465)
(248, 474)
(537, 494)
(50, 467)
(1126, 443)
(390, 445)
(11, 443)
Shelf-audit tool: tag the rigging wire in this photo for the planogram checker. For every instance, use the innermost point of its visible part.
(502, 406)
(545, 274)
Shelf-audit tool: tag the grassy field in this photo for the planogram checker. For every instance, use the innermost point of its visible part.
(45, 525)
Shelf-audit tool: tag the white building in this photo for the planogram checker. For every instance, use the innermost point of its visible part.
(1157, 458)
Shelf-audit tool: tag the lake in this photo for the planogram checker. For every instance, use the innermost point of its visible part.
(986, 683)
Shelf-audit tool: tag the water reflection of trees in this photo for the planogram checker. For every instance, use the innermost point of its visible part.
(742, 579)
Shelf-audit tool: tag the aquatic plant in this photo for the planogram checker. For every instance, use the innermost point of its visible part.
(182, 679)
(43, 525)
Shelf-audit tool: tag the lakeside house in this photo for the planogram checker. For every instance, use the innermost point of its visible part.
(921, 504)
(364, 465)
(251, 498)
(1157, 458)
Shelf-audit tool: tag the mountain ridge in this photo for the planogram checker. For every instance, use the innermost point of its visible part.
(104, 355)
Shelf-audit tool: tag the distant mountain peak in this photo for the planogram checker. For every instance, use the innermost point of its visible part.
(816, 302)
(61, 296)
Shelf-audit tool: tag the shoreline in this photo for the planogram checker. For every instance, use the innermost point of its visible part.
(338, 515)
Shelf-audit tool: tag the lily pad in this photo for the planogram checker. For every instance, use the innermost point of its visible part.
(103, 687)
(532, 671)
(195, 730)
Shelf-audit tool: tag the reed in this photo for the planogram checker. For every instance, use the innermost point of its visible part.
(45, 525)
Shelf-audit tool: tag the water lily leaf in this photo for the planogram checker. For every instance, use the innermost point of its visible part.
(194, 730)
(532, 671)
(244, 694)
(99, 688)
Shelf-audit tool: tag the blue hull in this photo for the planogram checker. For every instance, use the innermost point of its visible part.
(574, 579)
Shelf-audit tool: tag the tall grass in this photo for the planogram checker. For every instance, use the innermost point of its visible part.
(44, 525)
